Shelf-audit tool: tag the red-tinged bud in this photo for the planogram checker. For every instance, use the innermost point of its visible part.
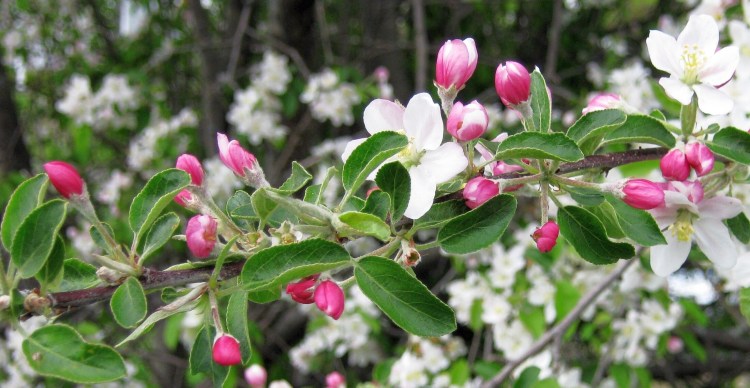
(302, 291)
(65, 178)
(256, 376)
(512, 83)
(335, 380)
(234, 156)
(329, 298)
(602, 101)
(546, 236)
(700, 158)
(674, 165)
(201, 235)
(456, 62)
(675, 345)
(467, 122)
(479, 190)
(192, 166)
(183, 198)
(381, 74)
(226, 350)
(642, 194)
(371, 190)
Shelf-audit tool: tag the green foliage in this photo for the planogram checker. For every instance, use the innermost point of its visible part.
(128, 303)
(479, 227)
(159, 234)
(363, 224)
(297, 180)
(591, 128)
(403, 298)
(554, 146)
(393, 178)
(540, 103)
(369, 155)
(27, 196)
(641, 129)
(587, 235)
(237, 322)
(732, 143)
(35, 237)
(154, 197)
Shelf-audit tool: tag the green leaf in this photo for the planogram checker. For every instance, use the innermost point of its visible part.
(201, 359)
(35, 237)
(440, 213)
(313, 194)
(240, 205)
(540, 103)
(478, 228)
(588, 131)
(584, 196)
(607, 215)
(621, 374)
(745, 303)
(78, 276)
(162, 230)
(297, 180)
(59, 351)
(554, 146)
(403, 298)
(393, 178)
(731, 143)
(27, 196)
(263, 206)
(54, 265)
(369, 155)
(265, 296)
(533, 320)
(527, 378)
(128, 303)
(378, 204)
(566, 297)
(740, 227)
(637, 224)
(363, 224)
(99, 240)
(641, 129)
(237, 322)
(587, 235)
(283, 263)
(154, 197)
(693, 345)
(459, 372)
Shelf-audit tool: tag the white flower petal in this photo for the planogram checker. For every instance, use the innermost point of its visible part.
(701, 30)
(664, 52)
(350, 146)
(443, 163)
(422, 193)
(720, 207)
(383, 115)
(665, 259)
(720, 67)
(423, 122)
(713, 101)
(677, 89)
(713, 238)
(664, 216)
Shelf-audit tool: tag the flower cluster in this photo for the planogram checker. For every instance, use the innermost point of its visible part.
(111, 106)
(330, 98)
(145, 147)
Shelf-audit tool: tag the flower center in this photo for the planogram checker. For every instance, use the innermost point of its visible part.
(410, 156)
(683, 226)
(692, 60)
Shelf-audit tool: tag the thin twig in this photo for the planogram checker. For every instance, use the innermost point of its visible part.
(420, 45)
(285, 49)
(559, 329)
(325, 37)
(239, 33)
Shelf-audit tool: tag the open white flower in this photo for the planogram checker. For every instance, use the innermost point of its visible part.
(429, 163)
(688, 217)
(694, 64)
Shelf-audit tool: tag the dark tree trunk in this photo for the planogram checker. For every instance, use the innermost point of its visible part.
(384, 45)
(13, 153)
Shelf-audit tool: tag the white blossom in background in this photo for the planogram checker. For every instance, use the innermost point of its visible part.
(109, 192)
(143, 148)
(112, 106)
(272, 74)
(513, 339)
(255, 113)
(219, 181)
(78, 100)
(12, 360)
(424, 360)
(631, 82)
(81, 240)
(330, 99)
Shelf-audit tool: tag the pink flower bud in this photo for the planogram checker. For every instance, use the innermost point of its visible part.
(479, 190)
(234, 156)
(302, 291)
(192, 166)
(602, 101)
(642, 194)
(467, 122)
(256, 376)
(512, 83)
(201, 235)
(546, 236)
(226, 350)
(674, 344)
(65, 178)
(381, 74)
(700, 157)
(183, 198)
(674, 165)
(456, 62)
(335, 380)
(329, 298)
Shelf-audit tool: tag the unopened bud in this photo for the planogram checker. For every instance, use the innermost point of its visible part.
(479, 190)
(329, 298)
(642, 194)
(65, 178)
(256, 376)
(335, 380)
(700, 158)
(226, 350)
(674, 165)
(546, 236)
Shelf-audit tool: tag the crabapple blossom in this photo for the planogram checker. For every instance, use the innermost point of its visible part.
(302, 290)
(256, 376)
(335, 380)
(65, 178)
(226, 350)
(700, 157)
(695, 65)
(201, 235)
(601, 101)
(183, 198)
(689, 220)
(546, 236)
(456, 62)
(240, 161)
(467, 122)
(192, 166)
(479, 190)
(512, 83)
(642, 194)
(429, 163)
(674, 165)
(329, 298)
